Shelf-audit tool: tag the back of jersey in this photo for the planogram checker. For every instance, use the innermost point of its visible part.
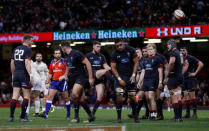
(19, 55)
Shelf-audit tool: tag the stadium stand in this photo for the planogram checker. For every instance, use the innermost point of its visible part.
(58, 15)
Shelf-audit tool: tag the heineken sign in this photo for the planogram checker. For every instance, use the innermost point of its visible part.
(99, 34)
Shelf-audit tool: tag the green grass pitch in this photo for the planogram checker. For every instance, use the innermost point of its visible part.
(106, 117)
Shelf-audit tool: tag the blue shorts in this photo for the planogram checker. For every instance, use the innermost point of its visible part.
(174, 81)
(21, 79)
(150, 85)
(190, 84)
(59, 85)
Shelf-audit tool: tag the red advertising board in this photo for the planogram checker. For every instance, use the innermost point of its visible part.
(177, 31)
(17, 38)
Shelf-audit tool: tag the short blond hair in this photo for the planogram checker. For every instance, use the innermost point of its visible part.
(152, 45)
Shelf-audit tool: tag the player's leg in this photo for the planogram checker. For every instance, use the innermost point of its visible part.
(66, 98)
(99, 73)
(140, 100)
(172, 84)
(100, 93)
(186, 98)
(26, 95)
(179, 97)
(76, 92)
(153, 110)
(174, 104)
(147, 106)
(119, 101)
(159, 103)
(45, 95)
(52, 93)
(14, 101)
(192, 95)
(63, 87)
(86, 108)
(194, 104)
(36, 94)
(177, 105)
(103, 72)
(133, 103)
(187, 102)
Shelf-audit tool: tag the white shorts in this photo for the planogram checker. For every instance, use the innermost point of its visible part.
(44, 89)
(37, 83)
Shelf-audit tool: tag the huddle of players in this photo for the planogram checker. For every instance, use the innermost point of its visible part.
(131, 74)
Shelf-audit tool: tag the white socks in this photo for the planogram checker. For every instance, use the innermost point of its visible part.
(37, 106)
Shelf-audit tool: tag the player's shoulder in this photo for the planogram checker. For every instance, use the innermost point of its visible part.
(190, 57)
(175, 52)
(88, 54)
(115, 52)
(43, 63)
(129, 48)
(77, 52)
(101, 55)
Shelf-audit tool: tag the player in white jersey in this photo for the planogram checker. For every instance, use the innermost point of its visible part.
(42, 72)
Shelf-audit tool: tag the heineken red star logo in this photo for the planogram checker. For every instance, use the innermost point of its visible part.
(141, 33)
(93, 35)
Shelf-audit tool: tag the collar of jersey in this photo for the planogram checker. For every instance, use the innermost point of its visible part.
(152, 56)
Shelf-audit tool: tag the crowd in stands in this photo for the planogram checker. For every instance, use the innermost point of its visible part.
(57, 15)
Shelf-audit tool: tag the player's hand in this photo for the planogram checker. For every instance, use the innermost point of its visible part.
(61, 78)
(31, 80)
(132, 79)
(91, 81)
(139, 85)
(66, 77)
(192, 74)
(122, 83)
(165, 81)
(160, 86)
(47, 86)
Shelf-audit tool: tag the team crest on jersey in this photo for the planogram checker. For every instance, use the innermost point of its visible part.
(148, 65)
(96, 62)
(91, 58)
(124, 60)
(118, 57)
(59, 64)
(100, 58)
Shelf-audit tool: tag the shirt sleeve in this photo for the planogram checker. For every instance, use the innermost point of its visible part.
(80, 56)
(28, 54)
(104, 61)
(195, 60)
(50, 69)
(172, 54)
(113, 58)
(12, 57)
(133, 53)
(164, 60)
(143, 64)
(159, 62)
